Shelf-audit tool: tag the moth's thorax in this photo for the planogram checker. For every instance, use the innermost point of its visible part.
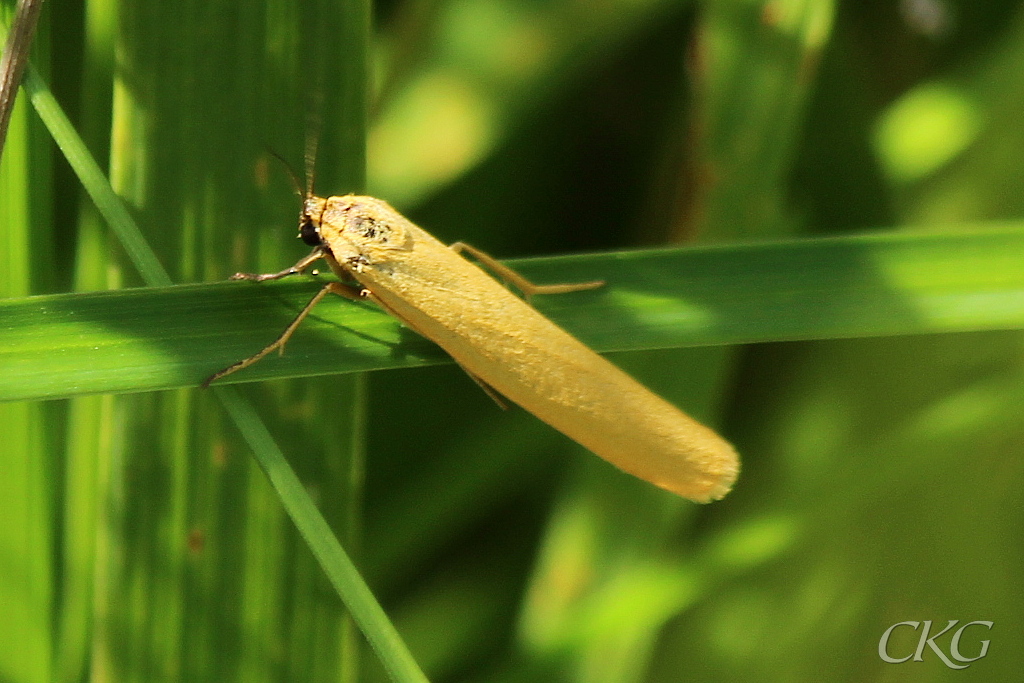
(366, 227)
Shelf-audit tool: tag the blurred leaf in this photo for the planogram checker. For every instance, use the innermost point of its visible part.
(489, 64)
(29, 588)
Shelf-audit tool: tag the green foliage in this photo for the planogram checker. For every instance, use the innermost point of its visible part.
(876, 400)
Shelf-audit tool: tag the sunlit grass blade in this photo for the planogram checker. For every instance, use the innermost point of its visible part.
(889, 284)
(113, 209)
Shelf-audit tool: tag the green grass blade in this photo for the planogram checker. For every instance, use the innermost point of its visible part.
(891, 284)
(28, 581)
(332, 557)
(144, 258)
(94, 181)
(756, 67)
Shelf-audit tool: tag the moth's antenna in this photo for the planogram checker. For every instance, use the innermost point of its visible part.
(296, 183)
(312, 141)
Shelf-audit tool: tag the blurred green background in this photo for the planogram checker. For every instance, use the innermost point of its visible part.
(139, 541)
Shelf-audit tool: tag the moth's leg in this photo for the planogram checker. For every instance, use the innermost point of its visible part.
(522, 284)
(338, 288)
(488, 389)
(294, 270)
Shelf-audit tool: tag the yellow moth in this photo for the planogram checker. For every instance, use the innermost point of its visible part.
(504, 343)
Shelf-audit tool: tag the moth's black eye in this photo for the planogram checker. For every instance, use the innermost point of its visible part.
(309, 233)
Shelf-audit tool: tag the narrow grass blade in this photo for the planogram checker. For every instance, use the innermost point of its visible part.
(860, 286)
(332, 557)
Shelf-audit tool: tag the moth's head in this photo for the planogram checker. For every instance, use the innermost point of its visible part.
(310, 218)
